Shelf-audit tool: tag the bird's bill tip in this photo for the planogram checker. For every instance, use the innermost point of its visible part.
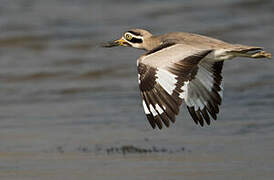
(119, 42)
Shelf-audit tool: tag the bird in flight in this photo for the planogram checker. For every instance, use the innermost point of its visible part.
(180, 66)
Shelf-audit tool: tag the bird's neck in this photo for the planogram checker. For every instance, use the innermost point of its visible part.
(151, 43)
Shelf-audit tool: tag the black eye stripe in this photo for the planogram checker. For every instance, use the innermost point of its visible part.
(136, 40)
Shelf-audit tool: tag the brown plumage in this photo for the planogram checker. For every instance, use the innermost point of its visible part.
(179, 67)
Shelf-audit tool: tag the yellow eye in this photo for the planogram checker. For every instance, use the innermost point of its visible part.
(128, 37)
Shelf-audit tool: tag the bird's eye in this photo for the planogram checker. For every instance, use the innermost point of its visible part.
(128, 37)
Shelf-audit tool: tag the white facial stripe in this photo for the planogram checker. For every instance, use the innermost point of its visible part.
(154, 113)
(145, 108)
(134, 36)
(167, 80)
(136, 45)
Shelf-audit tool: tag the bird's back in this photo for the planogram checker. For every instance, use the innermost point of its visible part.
(196, 40)
(223, 49)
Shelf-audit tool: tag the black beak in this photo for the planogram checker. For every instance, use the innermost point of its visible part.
(110, 44)
(120, 42)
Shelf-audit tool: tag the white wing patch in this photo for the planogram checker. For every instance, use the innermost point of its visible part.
(205, 77)
(145, 108)
(159, 109)
(139, 80)
(194, 95)
(221, 93)
(166, 79)
(203, 94)
(154, 113)
(184, 89)
(199, 104)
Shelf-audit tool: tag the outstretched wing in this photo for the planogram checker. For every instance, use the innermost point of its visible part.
(204, 92)
(164, 74)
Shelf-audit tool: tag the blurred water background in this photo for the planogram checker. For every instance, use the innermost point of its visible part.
(71, 110)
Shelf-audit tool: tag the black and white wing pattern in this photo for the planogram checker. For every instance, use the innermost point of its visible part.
(164, 76)
(204, 92)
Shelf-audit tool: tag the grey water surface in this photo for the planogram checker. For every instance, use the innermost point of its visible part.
(70, 109)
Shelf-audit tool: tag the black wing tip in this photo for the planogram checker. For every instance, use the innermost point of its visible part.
(205, 116)
(201, 117)
(157, 122)
(151, 120)
(158, 98)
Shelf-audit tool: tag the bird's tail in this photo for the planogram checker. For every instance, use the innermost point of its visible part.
(251, 52)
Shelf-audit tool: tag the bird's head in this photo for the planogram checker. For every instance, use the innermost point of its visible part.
(136, 38)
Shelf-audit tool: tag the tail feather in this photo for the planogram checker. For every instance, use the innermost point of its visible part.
(251, 52)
